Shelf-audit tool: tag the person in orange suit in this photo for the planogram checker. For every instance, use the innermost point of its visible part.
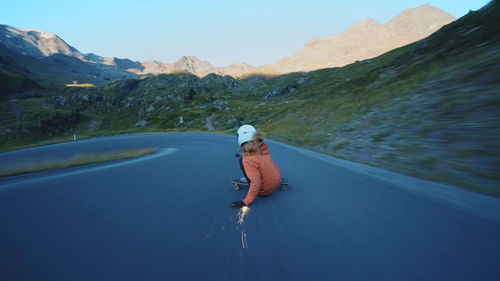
(260, 171)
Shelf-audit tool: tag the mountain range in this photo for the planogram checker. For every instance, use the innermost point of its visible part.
(364, 40)
(46, 57)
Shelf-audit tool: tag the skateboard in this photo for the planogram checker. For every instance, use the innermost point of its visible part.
(237, 183)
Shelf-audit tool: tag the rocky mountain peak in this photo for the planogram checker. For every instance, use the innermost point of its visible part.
(39, 34)
(419, 21)
(189, 59)
(365, 24)
(34, 42)
(193, 65)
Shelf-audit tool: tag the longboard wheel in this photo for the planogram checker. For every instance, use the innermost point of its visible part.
(236, 186)
(283, 187)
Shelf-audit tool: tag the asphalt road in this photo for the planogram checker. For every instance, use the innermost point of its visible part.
(167, 216)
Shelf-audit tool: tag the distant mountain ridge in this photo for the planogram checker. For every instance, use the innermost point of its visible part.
(363, 40)
(42, 44)
(35, 43)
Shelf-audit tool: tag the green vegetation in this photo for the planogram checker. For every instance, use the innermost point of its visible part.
(420, 109)
(24, 167)
(381, 136)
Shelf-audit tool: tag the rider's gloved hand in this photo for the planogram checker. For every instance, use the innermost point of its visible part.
(238, 204)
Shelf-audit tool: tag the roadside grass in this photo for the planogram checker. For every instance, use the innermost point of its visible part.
(84, 85)
(341, 145)
(24, 145)
(32, 166)
(487, 187)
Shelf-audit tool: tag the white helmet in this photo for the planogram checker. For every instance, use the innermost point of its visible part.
(245, 134)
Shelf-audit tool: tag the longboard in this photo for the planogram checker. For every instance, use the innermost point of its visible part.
(237, 183)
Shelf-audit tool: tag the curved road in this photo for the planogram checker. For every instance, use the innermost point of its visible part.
(167, 216)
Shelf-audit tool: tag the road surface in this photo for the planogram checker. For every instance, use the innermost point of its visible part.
(167, 216)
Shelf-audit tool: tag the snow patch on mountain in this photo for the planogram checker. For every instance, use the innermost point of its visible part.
(44, 34)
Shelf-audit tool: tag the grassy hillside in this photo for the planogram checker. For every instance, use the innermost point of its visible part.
(429, 109)
(13, 78)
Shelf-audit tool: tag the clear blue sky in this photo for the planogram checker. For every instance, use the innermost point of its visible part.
(219, 31)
